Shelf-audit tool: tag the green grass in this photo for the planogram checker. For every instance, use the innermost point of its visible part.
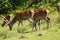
(24, 32)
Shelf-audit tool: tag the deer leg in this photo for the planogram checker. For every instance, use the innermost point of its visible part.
(39, 24)
(29, 20)
(20, 22)
(10, 27)
(48, 22)
(34, 25)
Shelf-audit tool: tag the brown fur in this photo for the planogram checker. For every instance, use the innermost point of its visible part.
(40, 14)
(23, 15)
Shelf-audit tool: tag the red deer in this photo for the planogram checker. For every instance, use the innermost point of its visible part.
(6, 19)
(58, 8)
(23, 15)
(35, 15)
(40, 14)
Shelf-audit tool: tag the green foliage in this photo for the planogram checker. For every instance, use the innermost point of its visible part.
(58, 20)
(12, 6)
(7, 6)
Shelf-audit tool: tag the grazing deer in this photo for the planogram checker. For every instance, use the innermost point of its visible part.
(23, 15)
(40, 14)
(6, 19)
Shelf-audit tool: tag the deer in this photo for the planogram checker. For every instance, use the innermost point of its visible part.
(40, 14)
(20, 16)
(35, 15)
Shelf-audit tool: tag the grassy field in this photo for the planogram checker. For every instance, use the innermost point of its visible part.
(24, 32)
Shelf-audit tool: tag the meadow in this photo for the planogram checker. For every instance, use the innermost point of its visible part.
(25, 33)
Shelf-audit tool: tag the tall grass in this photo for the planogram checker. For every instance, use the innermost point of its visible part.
(24, 32)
